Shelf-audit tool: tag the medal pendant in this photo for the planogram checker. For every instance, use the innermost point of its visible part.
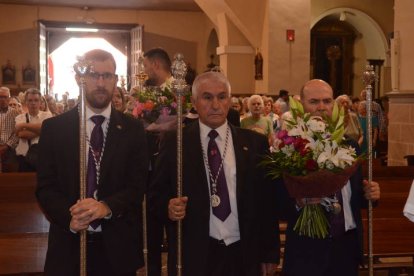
(336, 208)
(215, 200)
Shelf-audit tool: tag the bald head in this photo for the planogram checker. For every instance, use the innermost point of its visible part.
(317, 97)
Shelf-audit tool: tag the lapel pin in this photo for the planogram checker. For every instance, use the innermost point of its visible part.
(119, 127)
(245, 148)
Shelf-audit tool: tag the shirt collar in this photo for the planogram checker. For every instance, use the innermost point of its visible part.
(221, 130)
(106, 113)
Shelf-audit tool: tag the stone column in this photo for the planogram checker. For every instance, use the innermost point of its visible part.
(401, 110)
(401, 127)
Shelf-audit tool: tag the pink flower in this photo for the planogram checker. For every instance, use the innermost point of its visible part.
(281, 134)
(137, 111)
(288, 140)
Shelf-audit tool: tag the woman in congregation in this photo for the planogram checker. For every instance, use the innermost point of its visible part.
(118, 99)
(352, 125)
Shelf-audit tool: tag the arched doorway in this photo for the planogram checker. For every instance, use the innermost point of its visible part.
(332, 53)
(212, 44)
(370, 46)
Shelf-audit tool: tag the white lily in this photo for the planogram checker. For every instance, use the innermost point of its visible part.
(339, 156)
(301, 129)
(316, 124)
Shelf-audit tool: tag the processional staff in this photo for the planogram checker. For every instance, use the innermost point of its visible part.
(82, 68)
(179, 70)
(368, 78)
(142, 77)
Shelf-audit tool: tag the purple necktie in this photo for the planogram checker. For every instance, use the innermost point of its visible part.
(223, 210)
(338, 220)
(95, 149)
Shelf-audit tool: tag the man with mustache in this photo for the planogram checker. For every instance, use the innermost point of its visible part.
(230, 226)
(117, 167)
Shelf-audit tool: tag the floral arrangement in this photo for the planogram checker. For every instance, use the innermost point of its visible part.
(315, 162)
(156, 105)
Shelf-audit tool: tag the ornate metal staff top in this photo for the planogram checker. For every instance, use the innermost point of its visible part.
(368, 78)
(141, 75)
(82, 68)
(179, 70)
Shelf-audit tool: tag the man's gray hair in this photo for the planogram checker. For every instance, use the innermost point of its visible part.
(254, 97)
(345, 98)
(210, 76)
(33, 91)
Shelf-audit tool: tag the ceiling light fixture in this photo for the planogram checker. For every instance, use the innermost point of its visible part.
(88, 30)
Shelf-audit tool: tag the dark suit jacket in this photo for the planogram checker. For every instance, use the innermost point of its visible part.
(123, 175)
(302, 252)
(258, 223)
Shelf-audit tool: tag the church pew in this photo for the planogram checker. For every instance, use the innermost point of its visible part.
(393, 234)
(23, 228)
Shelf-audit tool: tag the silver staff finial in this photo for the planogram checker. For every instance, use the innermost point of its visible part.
(82, 67)
(368, 77)
(179, 70)
(141, 75)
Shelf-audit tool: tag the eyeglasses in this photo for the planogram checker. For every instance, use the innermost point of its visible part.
(105, 76)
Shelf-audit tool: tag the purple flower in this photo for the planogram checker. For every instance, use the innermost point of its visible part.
(288, 140)
(281, 134)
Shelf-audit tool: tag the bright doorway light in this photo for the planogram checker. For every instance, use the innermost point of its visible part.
(64, 57)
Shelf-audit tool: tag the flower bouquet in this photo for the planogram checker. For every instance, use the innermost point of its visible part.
(157, 107)
(315, 162)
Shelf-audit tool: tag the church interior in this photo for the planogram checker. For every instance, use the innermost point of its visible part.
(297, 40)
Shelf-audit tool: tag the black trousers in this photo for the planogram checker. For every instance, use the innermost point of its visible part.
(224, 260)
(97, 261)
(155, 236)
(326, 257)
(23, 165)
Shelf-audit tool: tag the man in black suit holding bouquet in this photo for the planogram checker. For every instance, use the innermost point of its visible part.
(338, 254)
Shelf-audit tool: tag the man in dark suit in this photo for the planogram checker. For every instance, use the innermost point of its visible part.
(340, 253)
(229, 224)
(116, 174)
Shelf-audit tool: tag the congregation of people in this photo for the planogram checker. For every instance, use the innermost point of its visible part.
(230, 208)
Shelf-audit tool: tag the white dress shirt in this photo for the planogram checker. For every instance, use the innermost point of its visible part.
(346, 199)
(227, 230)
(89, 127)
(409, 205)
(23, 145)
